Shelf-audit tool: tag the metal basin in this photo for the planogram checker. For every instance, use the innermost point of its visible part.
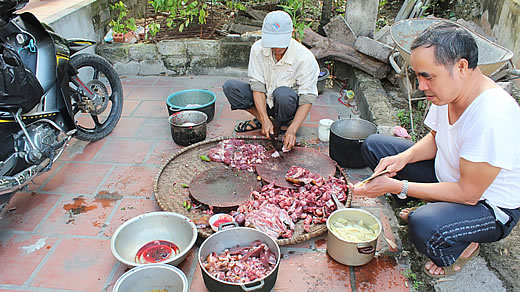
(153, 277)
(130, 238)
(491, 55)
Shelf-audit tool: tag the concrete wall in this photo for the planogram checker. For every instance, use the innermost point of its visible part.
(501, 19)
(89, 19)
(228, 56)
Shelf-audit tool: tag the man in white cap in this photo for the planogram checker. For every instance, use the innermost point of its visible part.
(283, 75)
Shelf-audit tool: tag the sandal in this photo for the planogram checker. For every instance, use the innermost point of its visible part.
(450, 270)
(405, 212)
(249, 125)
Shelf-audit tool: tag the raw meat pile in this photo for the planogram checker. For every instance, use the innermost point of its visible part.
(312, 203)
(241, 264)
(300, 175)
(238, 154)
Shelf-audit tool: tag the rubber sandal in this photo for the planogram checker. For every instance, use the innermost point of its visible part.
(249, 125)
(450, 270)
(405, 218)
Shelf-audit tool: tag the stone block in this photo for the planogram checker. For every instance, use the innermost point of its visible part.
(239, 51)
(202, 47)
(141, 52)
(172, 48)
(339, 30)
(114, 53)
(361, 15)
(383, 35)
(152, 67)
(130, 68)
(373, 48)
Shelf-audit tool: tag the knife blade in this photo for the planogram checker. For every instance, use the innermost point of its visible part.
(276, 145)
(373, 176)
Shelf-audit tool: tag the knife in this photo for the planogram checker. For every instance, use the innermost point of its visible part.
(373, 176)
(276, 145)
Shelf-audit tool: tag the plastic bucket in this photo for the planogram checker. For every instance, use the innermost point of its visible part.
(322, 78)
(192, 99)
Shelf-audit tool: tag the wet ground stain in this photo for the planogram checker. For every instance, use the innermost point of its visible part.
(78, 206)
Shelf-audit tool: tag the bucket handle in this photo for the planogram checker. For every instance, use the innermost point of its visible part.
(366, 249)
(174, 109)
(253, 288)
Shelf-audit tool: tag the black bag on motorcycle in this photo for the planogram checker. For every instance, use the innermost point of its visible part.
(19, 88)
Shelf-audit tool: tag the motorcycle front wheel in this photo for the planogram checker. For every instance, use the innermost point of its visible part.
(95, 119)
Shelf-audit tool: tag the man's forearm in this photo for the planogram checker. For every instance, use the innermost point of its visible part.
(261, 106)
(300, 115)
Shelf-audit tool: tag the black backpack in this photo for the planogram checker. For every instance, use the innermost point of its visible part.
(18, 86)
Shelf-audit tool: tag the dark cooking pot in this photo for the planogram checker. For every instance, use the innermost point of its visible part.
(346, 137)
(188, 127)
(242, 236)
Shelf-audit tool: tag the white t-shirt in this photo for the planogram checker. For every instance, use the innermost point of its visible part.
(487, 131)
(298, 69)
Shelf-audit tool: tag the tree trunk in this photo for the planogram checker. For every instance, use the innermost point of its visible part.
(323, 47)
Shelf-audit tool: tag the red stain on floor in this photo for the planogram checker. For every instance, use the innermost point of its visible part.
(78, 206)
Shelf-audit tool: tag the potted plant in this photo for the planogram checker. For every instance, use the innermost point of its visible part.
(121, 25)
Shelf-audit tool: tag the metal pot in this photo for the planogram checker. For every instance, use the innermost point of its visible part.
(188, 127)
(346, 137)
(152, 277)
(352, 253)
(231, 237)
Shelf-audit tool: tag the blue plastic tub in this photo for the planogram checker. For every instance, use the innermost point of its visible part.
(192, 99)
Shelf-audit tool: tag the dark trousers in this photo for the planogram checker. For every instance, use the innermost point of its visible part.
(240, 96)
(440, 230)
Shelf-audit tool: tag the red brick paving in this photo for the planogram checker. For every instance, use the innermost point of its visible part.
(95, 187)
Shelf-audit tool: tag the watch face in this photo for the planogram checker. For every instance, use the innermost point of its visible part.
(401, 196)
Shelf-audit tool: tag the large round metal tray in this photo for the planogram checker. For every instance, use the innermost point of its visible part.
(186, 164)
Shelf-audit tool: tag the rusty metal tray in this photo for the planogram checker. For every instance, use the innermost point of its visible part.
(274, 169)
(223, 188)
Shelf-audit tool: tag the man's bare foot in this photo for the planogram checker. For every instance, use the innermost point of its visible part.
(433, 270)
(405, 212)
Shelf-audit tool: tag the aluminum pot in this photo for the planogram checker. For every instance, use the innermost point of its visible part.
(188, 127)
(231, 237)
(346, 137)
(352, 253)
(131, 236)
(152, 277)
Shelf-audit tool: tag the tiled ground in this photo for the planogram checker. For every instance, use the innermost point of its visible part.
(45, 246)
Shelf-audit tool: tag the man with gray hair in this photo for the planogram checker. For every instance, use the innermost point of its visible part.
(283, 76)
(467, 168)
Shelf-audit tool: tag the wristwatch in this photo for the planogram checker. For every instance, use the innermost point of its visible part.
(404, 191)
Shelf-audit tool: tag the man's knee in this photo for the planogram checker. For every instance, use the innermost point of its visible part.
(229, 86)
(285, 96)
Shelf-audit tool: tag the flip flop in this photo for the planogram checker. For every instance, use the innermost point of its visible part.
(249, 125)
(450, 270)
(409, 210)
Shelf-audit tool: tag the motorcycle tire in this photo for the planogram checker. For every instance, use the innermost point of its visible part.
(113, 86)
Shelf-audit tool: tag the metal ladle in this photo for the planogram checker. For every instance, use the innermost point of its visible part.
(340, 206)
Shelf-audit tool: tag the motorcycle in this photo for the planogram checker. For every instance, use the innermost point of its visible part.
(49, 93)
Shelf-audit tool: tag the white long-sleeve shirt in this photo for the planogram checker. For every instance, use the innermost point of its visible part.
(298, 69)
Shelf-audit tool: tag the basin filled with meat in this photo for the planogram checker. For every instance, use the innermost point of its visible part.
(239, 259)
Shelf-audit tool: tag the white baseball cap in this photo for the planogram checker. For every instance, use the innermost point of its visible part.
(277, 30)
